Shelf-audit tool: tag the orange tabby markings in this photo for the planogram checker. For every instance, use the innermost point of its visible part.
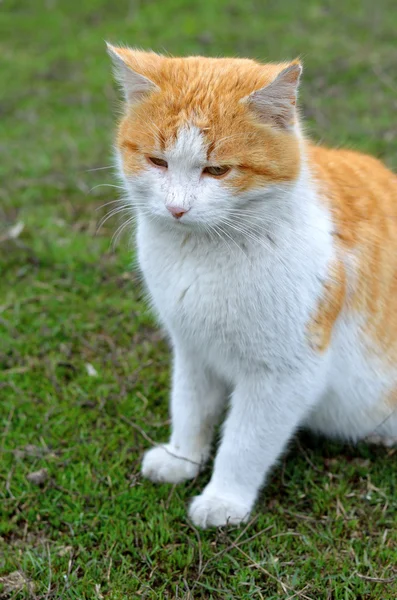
(206, 93)
(321, 327)
(362, 196)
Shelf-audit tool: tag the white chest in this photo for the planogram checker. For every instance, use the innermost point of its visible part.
(231, 303)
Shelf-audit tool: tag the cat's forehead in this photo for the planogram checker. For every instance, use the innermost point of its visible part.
(199, 76)
(219, 96)
(189, 147)
(201, 89)
(198, 89)
(198, 103)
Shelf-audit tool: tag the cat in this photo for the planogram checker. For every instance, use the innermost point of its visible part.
(270, 261)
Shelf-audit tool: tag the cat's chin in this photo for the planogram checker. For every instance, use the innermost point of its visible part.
(182, 225)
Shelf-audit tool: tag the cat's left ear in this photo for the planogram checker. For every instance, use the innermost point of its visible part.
(126, 63)
(276, 103)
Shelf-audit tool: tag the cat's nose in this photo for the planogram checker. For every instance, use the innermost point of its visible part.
(177, 211)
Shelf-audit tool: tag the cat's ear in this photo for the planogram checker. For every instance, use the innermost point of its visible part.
(134, 85)
(275, 103)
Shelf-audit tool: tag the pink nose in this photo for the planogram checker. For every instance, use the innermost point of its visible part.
(177, 211)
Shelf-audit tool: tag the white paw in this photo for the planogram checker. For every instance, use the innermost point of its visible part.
(387, 441)
(161, 463)
(209, 510)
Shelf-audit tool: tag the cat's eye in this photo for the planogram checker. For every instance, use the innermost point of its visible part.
(159, 162)
(216, 171)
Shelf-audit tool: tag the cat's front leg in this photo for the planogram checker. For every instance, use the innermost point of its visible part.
(265, 412)
(197, 399)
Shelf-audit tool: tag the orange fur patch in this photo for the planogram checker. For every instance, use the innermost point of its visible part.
(206, 93)
(362, 196)
(330, 306)
(392, 399)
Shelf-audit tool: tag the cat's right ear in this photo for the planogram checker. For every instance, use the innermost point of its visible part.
(275, 103)
(134, 85)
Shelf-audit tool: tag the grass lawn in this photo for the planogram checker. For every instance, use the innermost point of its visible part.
(85, 372)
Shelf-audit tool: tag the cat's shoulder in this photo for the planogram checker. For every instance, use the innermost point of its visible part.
(342, 163)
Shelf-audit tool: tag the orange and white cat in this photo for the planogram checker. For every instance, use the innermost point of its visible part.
(271, 262)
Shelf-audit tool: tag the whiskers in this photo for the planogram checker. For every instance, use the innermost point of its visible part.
(117, 234)
(124, 208)
(234, 233)
(100, 168)
(117, 187)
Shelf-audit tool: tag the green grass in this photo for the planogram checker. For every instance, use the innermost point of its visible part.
(325, 527)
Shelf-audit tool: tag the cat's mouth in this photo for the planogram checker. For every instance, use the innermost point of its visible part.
(186, 222)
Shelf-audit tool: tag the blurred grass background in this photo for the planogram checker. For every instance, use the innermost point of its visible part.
(84, 370)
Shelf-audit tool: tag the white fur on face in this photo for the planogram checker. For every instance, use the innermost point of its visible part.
(207, 200)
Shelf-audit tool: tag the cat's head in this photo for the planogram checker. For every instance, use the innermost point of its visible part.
(202, 138)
